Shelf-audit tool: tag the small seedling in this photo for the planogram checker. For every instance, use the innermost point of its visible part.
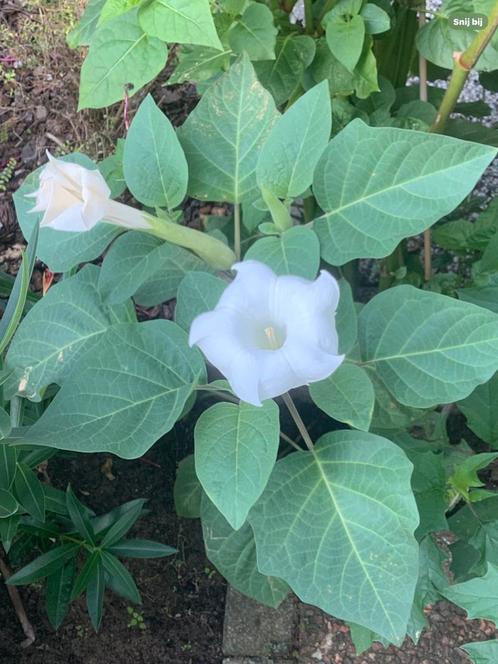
(136, 618)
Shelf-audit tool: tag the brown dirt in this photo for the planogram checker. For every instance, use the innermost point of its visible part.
(183, 597)
(324, 639)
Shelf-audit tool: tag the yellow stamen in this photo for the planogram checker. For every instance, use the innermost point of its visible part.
(272, 337)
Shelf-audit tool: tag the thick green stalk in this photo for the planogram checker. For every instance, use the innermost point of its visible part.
(395, 52)
(308, 16)
(464, 63)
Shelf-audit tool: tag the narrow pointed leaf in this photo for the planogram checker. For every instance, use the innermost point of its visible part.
(95, 595)
(117, 531)
(8, 504)
(140, 548)
(120, 580)
(8, 461)
(29, 491)
(85, 574)
(58, 594)
(78, 516)
(44, 565)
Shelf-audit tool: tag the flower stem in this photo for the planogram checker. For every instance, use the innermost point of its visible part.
(236, 230)
(298, 420)
(308, 16)
(213, 251)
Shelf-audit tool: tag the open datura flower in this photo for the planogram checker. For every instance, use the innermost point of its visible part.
(74, 198)
(268, 334)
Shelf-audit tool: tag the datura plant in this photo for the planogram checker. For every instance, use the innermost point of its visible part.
(331, 492)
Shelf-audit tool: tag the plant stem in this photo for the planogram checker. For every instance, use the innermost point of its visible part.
(236, 230)
(422, 69)
(298, 420)
(464, 63)
(15, 411)
(308, 16)
(16, 600)
(289, 440)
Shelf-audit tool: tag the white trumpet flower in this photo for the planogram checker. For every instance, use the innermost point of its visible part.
(74, 198)
(269, 334)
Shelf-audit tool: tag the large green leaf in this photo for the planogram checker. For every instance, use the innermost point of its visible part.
(198, 292)
(403, 182)
(482, 652)
(345, 31)
(296, 251)
(295, 144)
(122, 58)
(187, 491)
(281, 76)
(233, 553)
(235, 449)
(223, 136)
(52, 336)
(486, 297)
(428, 485)
(427, 348)
(61, 251)
(125, 393)
(347, 395)
(346, 318)
(254, 33)
(154, 165)
(198, 63)
(337, 525)
(478, 597)
(146, 268)
(180, 21)
(481, 410)
(82, 33)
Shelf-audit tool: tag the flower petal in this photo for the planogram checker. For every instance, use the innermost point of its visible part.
(69, 219)
(306, 309)
(217, 335)
(251, 290)
(310, 362)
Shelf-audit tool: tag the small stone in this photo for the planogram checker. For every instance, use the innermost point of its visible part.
(41, 113)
